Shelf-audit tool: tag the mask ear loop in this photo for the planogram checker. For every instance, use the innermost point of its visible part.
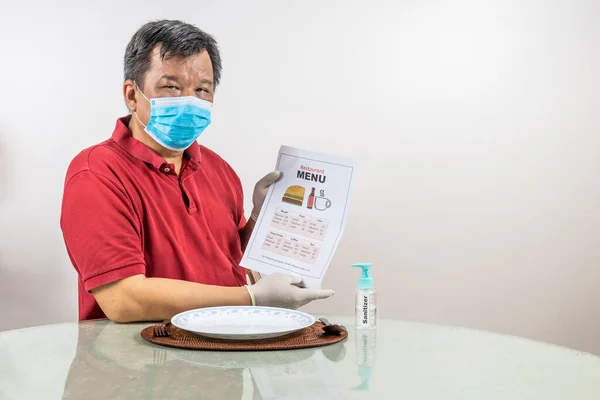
(141, 91)
(135, 112)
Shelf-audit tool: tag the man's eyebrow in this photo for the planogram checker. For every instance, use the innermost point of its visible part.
(170, 78)
(174, 79)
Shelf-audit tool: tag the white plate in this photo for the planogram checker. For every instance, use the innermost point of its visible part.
(242, 322)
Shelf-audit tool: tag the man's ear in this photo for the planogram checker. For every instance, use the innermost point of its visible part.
(129, 94)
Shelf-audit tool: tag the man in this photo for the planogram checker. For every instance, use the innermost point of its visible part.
(153, 222)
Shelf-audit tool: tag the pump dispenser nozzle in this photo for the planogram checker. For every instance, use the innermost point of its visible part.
(366, 280)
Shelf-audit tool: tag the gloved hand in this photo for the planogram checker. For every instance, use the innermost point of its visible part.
(260, 191)
(279, 290)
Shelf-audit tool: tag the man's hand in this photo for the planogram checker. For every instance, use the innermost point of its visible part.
(260, 191)
(279, 290)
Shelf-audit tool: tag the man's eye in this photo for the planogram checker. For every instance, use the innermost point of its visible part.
(172, 87)
(202, 90)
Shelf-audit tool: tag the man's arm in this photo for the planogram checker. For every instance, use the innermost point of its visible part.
(138, 298)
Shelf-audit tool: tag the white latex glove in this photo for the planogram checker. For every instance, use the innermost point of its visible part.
(260, 191)
(279, 290)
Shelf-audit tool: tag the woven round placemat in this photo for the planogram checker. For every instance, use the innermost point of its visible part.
(313, 336)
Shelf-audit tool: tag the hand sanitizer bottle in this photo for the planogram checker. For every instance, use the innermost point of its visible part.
(366, 299)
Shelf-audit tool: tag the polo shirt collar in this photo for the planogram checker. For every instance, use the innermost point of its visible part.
(123, 137)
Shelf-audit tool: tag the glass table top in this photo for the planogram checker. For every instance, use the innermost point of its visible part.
(398, 360)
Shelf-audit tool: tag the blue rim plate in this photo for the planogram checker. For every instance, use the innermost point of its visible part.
(242, 322)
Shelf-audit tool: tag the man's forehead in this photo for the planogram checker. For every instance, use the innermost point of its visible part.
(159, 58)
(198, 64)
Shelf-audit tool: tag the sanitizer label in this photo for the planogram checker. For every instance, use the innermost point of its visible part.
(364, 310)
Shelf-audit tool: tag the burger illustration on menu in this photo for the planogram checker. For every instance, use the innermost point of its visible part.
(294, 195)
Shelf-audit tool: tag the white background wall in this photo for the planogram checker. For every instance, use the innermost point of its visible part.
(475, 124)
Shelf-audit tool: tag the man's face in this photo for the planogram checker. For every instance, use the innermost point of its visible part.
(174, 77)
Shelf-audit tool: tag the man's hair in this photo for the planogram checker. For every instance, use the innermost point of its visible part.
(177, 39)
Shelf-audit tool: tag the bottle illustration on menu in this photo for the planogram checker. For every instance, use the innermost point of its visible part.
(311, 199)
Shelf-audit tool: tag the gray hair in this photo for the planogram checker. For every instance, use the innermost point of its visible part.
(177, 39)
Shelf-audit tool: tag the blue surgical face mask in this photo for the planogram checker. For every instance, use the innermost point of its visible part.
(176, 122)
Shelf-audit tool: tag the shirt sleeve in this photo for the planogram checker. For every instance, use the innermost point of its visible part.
(101, 230)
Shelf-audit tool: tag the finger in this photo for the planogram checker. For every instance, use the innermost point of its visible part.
(292, 279)
(270, 178)
(301, 284)
(317, 294)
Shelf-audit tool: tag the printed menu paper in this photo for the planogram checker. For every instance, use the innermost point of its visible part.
(303, 217)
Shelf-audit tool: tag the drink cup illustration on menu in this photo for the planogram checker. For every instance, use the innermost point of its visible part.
(322, 204)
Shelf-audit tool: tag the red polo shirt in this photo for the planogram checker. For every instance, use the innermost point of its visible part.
(126, 212)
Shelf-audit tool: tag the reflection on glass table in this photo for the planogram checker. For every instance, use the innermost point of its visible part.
(400, 360)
